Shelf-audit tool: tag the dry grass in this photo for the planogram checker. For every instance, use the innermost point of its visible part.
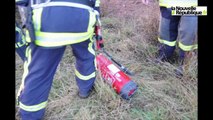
(130, 34)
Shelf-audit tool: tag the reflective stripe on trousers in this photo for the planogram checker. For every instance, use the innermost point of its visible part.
(40, 68)
(173, 26)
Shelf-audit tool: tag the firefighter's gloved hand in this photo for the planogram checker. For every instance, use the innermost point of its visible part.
(102, 45)
(98, 37)
(99, 42)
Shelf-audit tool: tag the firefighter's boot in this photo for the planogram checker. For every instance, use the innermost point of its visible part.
(164, 53)
(84, 95)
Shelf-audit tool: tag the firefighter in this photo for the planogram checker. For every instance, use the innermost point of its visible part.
(171, 27)
(56, 23)
(20, 42)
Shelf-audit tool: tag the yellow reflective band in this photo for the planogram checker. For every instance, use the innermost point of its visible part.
(97, 3)
(184, 5)
(54, 44)
(26, 71)
(90, 48)
(162, 5)
(28, 36)
(181, 3)
(82, 77)
(33, 108)
(37, 18)
(18, 44)
(195, 46)
(57, 39)
(92, 21)
(18, 30)
(22, 36)
(62, 35)
(167, 42)
(187, 47)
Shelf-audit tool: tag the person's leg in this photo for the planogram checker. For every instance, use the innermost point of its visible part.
(39, 70)
(85, 66)
(187, 32)
(168, 32)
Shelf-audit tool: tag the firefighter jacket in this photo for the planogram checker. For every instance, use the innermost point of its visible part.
(181, 3)
(71, 30)
(92, 3)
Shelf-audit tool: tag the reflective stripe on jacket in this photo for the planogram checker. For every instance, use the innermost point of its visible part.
(20, 38)
(181, 3)
(71, 22)
(66, 25)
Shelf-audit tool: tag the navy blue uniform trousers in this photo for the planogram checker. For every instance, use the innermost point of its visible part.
(42, 63)
(172, 28)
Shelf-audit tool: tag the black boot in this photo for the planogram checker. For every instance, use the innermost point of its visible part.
(84, 95)
(164, 53)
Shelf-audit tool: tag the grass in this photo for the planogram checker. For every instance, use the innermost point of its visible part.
(132, 42)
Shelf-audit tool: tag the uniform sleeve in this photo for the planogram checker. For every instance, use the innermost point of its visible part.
(22, 2)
